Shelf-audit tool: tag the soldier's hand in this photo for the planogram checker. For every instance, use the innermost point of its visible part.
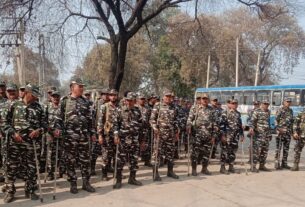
(295, 136)
(189, 130)
(223, 138)
(100, 139)
(213, 140)
(56, 133)
(280, 131)
(143, 146)
(34, 134)
(18, 138)
(93, 138)
(242, 138)
(116, 140)
(156, 130)
(49, 138)
(251, 131)
(177, 136)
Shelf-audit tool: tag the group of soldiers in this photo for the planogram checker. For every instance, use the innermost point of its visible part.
(70, 132)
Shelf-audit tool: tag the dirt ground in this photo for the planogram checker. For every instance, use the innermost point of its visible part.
(276, 188)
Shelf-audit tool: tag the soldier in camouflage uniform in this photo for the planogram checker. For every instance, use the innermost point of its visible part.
(78, 129)
(55, 127)
(144, 134)
(2, 100)
(131, 124)
(218, 112)
(107, 129)
(232, 131)
(260, 128)
(164, 121)
(299, 136)
(203, 119)
(25, 125)
(12, 96)
(96, 147)
(284, 127)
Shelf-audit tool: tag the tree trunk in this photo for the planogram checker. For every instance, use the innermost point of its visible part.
(113, 64)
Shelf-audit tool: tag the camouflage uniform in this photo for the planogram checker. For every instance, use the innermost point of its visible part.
(78, 129)
(182, 119)
(130, 122)
(204, 120)
(299, 129)
(54, 123)
(23, 119)
(164, 117)
(284, 125)
(2, 135)
(260, 123)
(107, 127)
(231, 128)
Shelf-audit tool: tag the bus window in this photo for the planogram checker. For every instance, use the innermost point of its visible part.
(295, 96)
(239, 96)
(216, 94)
(277, 98)
(263, 95)
(303, 98)
(249, 97)
(225, 95)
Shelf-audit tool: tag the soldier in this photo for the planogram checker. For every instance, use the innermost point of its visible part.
(25, 125)
(96, 147)
(250, 113)
(21, 92)
(299, 136)
(55, 125)
(107, 129)
(130, 119)
(11, 94)
(144, 134)
(78, 127)
(203, 119)
(164, 121)
(218, 112)
(284, 127)
(232, 131)
(260, 128)
(2, 91)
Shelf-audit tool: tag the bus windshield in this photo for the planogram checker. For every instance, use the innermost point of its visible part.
(295, 96)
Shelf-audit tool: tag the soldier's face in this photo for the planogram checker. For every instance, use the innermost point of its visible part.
(55, 99)
(234, 105)
(2, 90)
(28, 97)
(167, 99)
(141, 101)
(21, 93)
(130, 103)
(11, 94)
(113, 97)
(77, 90)
(265, 106)
(287, 103)
(105, 97)
(204, 101)
(214, 102)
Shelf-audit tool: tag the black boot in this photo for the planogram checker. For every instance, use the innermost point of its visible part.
(104, 174)
(2, 179)
(34, 196)
(87, 186)
(295, 167)
(8, 198)
(73, 188)
(156, 176)
(223, 170)
(285, 166)
(93, 163)
(205, 170)
(132, 179)
(194, 169)
(51, 176)
(170, 171)
(255, 170)
(262, 167)
(231, 168)
(118, 183)
(277, 165)
(109, 166)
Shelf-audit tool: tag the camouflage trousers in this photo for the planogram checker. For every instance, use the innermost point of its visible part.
(77, 146)
(108, 150)
(146, 153)
(129, 149)
(229, 149)
(201, 148)
(25, 149)
(298, 149)
(166, 147)
(96, 151)
(51, 156)
(283, 139)
(260, 148)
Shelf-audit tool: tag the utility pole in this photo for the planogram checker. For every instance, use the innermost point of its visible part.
(21, 48)
(42, 54)
(208, 71)
(237, 62)
(257, 68)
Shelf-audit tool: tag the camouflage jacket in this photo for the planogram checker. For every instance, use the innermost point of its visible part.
(231, 122)
(76, 115)
(203, 119)
(182, 117)
(260, 122)
(108, 119)
(4, 109)
(54, 118)
(299, 124)
(164, 117)
(24, 119)
(130, 122)
(284, 119)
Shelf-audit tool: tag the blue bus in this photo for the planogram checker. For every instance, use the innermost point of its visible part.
(247, 94)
